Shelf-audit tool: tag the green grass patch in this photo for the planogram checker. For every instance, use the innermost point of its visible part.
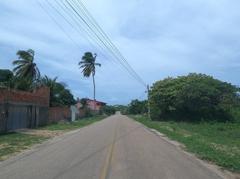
(67, 126)
(215, 142)
(12, 143)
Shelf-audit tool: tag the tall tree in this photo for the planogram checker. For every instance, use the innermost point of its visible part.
(26, 68)
(88, 64)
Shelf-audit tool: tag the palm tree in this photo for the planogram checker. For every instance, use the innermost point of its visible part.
(59, 94)
(25, 66)
(49, 82)
(88, 64)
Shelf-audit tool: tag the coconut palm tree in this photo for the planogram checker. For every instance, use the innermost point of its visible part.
(88, 64)
(59, 94)
(49, 82)
(25, 66)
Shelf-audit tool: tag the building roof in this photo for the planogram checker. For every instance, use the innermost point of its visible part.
(100, 102)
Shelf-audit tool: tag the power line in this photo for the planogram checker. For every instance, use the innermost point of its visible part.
(90, 37)
(93, 38)
(76, 29)
(111, 49)
(104, 40)
(96, 35)
(66, 20)
(105, 36)
(97, 26)
(55, 21)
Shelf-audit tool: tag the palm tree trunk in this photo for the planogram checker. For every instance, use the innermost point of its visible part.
(94, 92)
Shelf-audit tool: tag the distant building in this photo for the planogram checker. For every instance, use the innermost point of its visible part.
(93, 105)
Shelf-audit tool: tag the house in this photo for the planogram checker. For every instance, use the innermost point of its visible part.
(93, 105)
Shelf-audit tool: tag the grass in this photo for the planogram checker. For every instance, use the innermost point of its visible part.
(67, 126)
(215, 142)
(12, 143)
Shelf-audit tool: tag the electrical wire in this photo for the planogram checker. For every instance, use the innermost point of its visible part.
(93, 36)
(106, 43)
(55, 21)
(97, 26)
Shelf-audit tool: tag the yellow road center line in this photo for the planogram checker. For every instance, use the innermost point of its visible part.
(107, 163)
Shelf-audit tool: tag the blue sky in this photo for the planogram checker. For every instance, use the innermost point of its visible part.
(159, 38)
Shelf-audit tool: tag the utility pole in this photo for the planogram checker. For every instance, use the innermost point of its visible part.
(149, 110)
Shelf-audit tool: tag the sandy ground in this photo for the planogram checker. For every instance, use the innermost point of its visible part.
(44, 133)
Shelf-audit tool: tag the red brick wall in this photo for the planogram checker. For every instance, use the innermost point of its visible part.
(94, 105)
(38, 97)
(57, 114)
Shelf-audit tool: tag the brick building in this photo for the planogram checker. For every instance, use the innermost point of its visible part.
(94, 105)
(21, 109)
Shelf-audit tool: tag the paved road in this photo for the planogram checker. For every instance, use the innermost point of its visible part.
(115, 148)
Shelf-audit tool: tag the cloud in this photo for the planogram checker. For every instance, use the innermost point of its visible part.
(159, 39)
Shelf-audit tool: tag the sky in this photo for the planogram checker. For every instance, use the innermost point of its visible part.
(158, 38)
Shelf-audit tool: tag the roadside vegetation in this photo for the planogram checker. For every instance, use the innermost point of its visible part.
(16, 142)
(200, 112)
(194, 98)
(13, 143)
(215, 142)
(26, 76)
(67, 126)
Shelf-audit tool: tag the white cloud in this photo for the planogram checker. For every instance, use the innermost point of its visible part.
(159, 38)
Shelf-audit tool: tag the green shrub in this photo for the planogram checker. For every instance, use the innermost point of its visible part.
(108, 110)
(137, 107)
(89, 113)
(196, 97)
(236, 114)
(122, 108)
(6, 77)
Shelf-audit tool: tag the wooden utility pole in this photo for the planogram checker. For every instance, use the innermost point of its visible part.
(149, 110)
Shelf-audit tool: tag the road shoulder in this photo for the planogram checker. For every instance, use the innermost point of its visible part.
(179, 146)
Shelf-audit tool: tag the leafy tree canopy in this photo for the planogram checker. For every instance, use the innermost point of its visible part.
(109, 110)
(137, 107)
(5, 75)
(122, 108)
(59, 94)
(193, 97)
(25, 67)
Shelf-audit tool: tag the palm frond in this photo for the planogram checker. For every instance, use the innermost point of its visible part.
(25, 67)
(98, 64)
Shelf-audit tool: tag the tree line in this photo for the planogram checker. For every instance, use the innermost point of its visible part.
(195, 97)
(26, 76)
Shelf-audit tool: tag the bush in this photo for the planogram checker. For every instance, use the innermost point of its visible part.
(89, 113)
(122, 108)
(236, 113)
(137, 107)
(108, 110)
(6, 77)
(194, 97)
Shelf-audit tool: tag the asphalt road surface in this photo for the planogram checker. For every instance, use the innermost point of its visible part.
(115, 148)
